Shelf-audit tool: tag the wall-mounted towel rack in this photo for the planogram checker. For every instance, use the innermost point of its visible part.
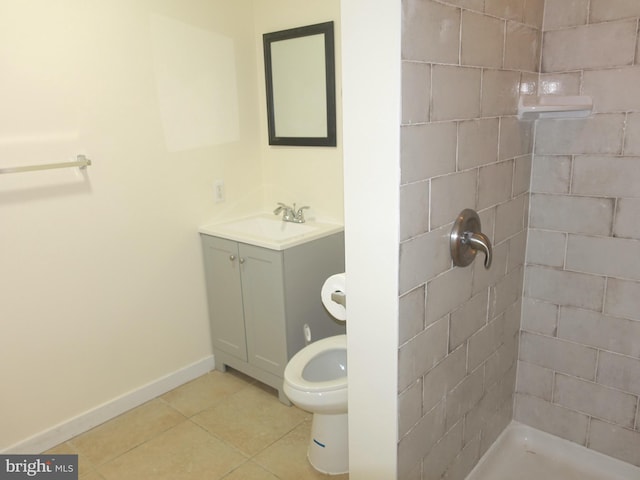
(81, 162)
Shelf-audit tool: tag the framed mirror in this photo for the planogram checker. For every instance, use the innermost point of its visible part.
(301, 91)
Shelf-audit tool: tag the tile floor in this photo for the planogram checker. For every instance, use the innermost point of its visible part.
(219, 426)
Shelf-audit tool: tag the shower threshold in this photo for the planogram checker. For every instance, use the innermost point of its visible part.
(524, 453)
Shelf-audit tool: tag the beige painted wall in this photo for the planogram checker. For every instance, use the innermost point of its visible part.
(101, 277)
(304, 175)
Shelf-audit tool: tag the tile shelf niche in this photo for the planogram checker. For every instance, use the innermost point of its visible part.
(533, 107)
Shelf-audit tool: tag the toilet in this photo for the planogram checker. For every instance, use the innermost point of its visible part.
(315, 380)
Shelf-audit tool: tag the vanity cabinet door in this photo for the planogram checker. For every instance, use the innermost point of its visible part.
(264, 313)
(224, 294)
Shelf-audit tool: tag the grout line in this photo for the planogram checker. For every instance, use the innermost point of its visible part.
(635, 55)
(430, 116)
(460, 11)
(587, 439)
(614, 217)
(571, 164)
(624, 134)
(504, 43)
(457, 154)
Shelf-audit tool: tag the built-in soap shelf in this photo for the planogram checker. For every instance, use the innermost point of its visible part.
(533, 107)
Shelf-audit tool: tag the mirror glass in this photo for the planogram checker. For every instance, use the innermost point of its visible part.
(300, 81)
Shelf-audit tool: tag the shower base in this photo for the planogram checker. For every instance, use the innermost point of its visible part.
(524, 453)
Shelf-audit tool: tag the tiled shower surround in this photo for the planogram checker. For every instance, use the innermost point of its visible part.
(579, 368)
(465, 62)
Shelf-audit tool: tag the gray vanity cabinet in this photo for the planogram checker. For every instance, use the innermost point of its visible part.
(244, 285)
(260, 299)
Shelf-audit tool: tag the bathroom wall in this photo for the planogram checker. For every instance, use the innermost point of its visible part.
(103, 299)
(371, 66)
(101, 279)
(464, 64)
(579, 369)
(305, 175)
(101, 273)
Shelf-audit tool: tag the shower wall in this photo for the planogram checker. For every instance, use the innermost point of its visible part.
(579, 368)
(464, 63)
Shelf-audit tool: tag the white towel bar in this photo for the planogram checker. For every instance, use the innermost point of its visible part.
(81, 162)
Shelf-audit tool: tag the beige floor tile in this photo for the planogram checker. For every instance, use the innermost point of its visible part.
(287, 458)
(84, 465)
(250, 471)
(250, 420)
(206, 391)
(125, 432)
(185, 452)
(91, 476)
(239, 418)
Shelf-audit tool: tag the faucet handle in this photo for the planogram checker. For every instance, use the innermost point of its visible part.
(291, 214)
(281, 206)
(299, 214)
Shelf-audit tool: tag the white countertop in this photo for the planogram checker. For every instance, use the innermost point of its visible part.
(269, 231)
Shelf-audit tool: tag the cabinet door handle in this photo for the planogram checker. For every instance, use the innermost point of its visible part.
(232, 257)
(241, 260)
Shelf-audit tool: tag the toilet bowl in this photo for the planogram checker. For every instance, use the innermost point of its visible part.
(315, 380)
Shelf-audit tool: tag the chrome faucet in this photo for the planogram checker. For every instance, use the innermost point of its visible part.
(290, 213)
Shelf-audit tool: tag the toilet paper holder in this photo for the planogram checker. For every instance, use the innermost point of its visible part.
(466, 239)
(340, 298)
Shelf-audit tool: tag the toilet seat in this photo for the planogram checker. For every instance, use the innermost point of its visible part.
(295, 368)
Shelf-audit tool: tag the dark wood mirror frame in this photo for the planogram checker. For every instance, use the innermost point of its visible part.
(325, 29)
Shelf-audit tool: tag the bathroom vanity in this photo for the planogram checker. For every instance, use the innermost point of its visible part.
(263, 279)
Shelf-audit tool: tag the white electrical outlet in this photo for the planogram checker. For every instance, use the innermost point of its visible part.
(218, 191)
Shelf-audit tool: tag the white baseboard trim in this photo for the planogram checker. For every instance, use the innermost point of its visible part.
(68, 429)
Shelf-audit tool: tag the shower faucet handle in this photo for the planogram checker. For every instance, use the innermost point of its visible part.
(466, 240)
(479, 241)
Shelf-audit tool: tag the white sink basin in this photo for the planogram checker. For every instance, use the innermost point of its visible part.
(270, 231)
(273, 228)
